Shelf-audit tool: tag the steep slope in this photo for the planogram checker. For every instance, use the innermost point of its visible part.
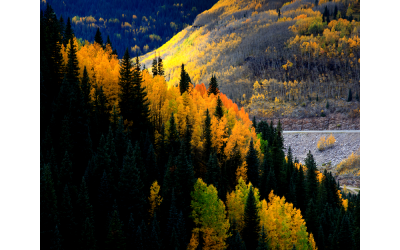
(293, 51)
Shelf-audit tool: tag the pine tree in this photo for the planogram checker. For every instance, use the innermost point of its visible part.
(140, 110)
(154, 67)
(173, 242)
(173, 138)
(311, 217)
(155, 239)
(160, 67)
(349, 96)
(72, 68)
(183, 82)
(213, 171)
(67, 220)
(219, 111)
(327, 105)
(312, 182)
(335, 12)
(300, 190)
(84, 208)
(57, 240)
(131, 187)
(321, 238)
(262, 240)
(207, 135)
(115, 237)
(126, 86)
(68, 33)
(88, 239)
(185, 180)
(213, 86)
(345, 240)
(254, 123)
(48, 206)
(139, 241)
(65, 176)
(86, 87)
(152, 166)
(252, 164)
(98, 39)
(251, 222)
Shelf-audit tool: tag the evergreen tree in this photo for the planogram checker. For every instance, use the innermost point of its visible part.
(84, 208)
(321, 238)
(115, 237)
(213, 86)
(300, 190)
(219, 111)
(68, 33)
(72, 68)
(327, 105)
(349, 96)
(207, 135)
(57, 240)
(311, 217)
(183, 82)
(126, 86)
(160, 67)
(152, 166)
(97, 38)
(48, 206)
(254, 122)
(251, 222)
(252, 164)
(185, 180)
(155, 240)
(139, 242)
(237, 243)
(213, 171)
(173, 242)
(131, 188)
(86, 87)
(67, 220)
(345, 239)
(88, 239)
(66, 170)
(173, 139)
(154, 67)
(335, 12)
(262, 241)
(141, 111)
(312, 182)
(357, 97)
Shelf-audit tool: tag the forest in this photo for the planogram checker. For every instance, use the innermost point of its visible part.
(137, 25)
(129, 161)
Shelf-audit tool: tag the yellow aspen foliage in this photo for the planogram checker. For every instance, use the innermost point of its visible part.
(325, 143)
(350, 165)
(236, 201)
(284, 224)
(219, 132)
(154, 198)
(345, 202)
(241, 172)
(194, 240)
(209, 216)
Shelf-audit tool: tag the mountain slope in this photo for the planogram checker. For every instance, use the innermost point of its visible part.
(295, 55)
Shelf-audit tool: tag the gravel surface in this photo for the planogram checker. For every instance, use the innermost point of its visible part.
(301, 143)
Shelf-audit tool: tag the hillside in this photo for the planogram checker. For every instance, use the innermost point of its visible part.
(136, 25)
(278, 60)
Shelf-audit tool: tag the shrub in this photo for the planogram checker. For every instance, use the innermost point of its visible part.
(350, 165)
(325, 143)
